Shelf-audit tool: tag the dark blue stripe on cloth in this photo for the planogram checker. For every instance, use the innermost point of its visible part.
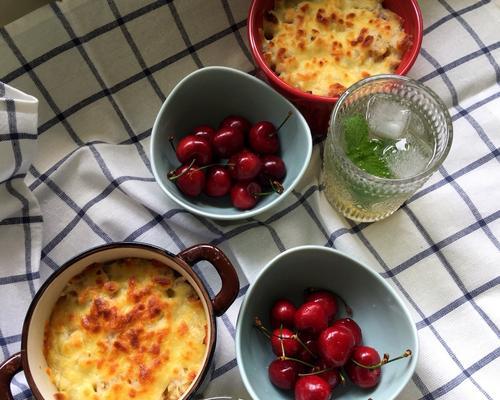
(135, 50)
(449, 268)
(454, 97)
(39, 85)
(30, 219)
(449, 17)
(224, 368)
(2, 89)
(277, 240)
(27, 233)
(465, 374)
(10, 106)
(239, 39)
(68, 201)
(312, 214)
(495, 154)
(464, 112)
(184, 35)
(65, 23)
(5, 340)
(418, 310)
(440, 245)
(7, 137)
(7, 280)
(457, 303)
(459, 61)
(134, 78)
(472, 207)
(475, 36)
(83, 39)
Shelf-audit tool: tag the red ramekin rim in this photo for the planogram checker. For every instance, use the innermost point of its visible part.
(253, 33)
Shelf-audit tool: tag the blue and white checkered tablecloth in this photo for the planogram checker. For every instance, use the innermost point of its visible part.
(100, 71)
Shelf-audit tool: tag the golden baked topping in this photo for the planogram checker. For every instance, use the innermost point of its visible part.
(324, 46)
(130, 329)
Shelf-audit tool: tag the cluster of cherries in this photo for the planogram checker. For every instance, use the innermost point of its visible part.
(315, 351)
(252, 163)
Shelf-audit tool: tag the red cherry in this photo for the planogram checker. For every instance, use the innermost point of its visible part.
(284, 373)
(244, 195)
(235, 121)
(205, 132)
(282, 312)
(326, 299)
(190, 182)
(191, 148)
(227, 141)
(312, 387)
(311, 317)
(263, 138)
(335, 345)
(305, 355)
(218, 182)
(273, 168)
(332, 376)
(244, 165)
(364, 377)
(287, 337)
(353, 327)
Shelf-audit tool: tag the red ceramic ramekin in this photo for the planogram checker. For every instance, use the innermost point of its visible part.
(317, 109)
(31, 359)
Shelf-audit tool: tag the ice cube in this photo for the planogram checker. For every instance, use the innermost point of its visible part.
(411, 161)
(386, 117)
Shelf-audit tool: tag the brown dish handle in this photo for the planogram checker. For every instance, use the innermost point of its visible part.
(227, 273)
(8, 369)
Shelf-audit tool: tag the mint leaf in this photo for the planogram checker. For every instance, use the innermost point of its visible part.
(364, 152)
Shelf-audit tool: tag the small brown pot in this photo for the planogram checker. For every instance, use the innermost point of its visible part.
(31, 359)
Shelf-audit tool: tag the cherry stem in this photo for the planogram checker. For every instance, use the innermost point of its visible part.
(284, 121)
(317, 372)
(297, 360)
(275, 186)
(171, 140)
(171, 173)
(173, 177)
(304, 345)
(384, 361)
(258, 323)
(342, 378)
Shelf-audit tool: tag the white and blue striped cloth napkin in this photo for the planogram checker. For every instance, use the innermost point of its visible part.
(101, 69)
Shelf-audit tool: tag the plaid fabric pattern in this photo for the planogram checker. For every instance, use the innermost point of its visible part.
(101, 70)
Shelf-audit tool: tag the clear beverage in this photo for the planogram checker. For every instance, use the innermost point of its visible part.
(387, 135)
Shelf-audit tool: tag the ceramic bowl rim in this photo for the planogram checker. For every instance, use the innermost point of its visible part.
(244, 306)
(205, 368)
(242, 214)
(290, 90)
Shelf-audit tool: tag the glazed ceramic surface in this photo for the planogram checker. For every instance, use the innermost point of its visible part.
(382, 316)
(207, 96)
(31, 358)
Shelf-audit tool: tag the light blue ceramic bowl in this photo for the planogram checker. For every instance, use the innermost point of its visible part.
(207, 96)
(382, 316)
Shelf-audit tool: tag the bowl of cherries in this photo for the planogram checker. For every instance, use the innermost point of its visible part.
(318, 325)
(226, 146)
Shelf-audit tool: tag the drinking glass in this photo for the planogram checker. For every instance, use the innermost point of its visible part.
(397, 102)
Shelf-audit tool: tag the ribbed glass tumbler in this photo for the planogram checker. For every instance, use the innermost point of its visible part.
(409, 132)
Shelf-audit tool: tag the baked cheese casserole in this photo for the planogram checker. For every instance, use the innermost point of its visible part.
(324, 46)
(129, 329)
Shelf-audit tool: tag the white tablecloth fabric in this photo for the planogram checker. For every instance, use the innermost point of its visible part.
(101, 69)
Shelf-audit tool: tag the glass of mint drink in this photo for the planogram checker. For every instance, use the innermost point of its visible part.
(387, 135)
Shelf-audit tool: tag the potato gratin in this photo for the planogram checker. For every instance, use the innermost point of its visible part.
(130, 329)
(324, 46)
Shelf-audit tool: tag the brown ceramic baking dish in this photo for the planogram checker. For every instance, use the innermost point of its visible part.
(31, 359)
